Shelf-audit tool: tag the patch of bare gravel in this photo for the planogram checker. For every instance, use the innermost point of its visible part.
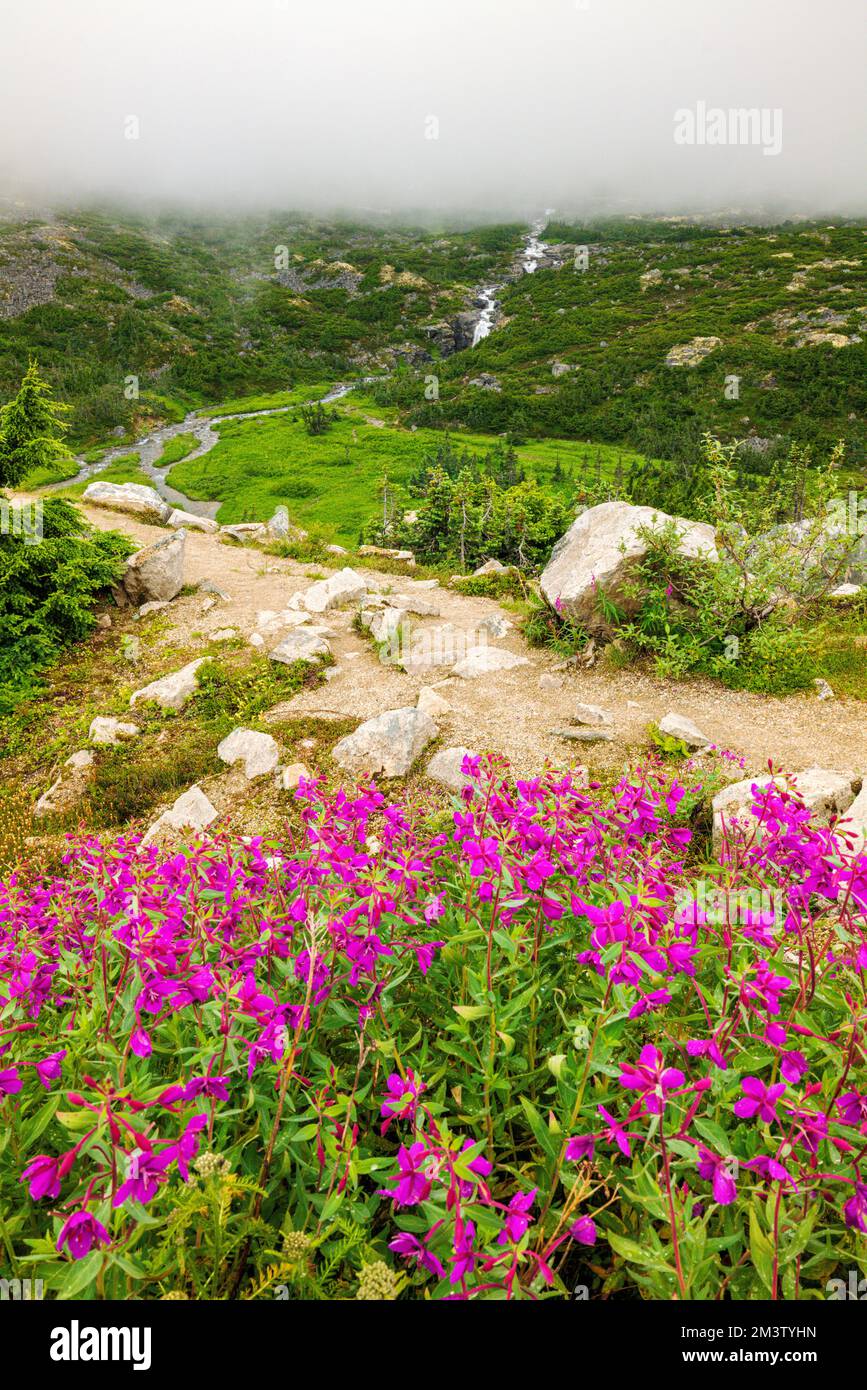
(506, 711)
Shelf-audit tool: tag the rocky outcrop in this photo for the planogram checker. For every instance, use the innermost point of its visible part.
(691, 353)
(136, 499)
(602, 549)
(68, 788)
(173, 691)
(387, 745)
(345, 587)
(156, 573)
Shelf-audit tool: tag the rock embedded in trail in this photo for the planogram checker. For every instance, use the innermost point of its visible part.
(156, 573)
(429, 702)
(445, 767)
(290, 778)
(584, 735)
(172, 691)
(345, 587)
(191, 521)
(678, 726)
(387, 745)
(136, 499)
(104, 729)
(495, 625)
(602, 550)
(258, 752)
(480, 660)
(301, 644)
(592, 715)
(244, 531)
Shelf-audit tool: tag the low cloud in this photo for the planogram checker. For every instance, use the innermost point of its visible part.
(494, 107)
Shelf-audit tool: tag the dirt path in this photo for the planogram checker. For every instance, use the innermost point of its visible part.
(508, 712)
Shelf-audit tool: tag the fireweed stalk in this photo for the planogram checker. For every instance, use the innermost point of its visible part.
(497, 1041)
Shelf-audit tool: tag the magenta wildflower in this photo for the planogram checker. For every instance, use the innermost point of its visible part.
(580, 1146)
(651, 1078)
(517, 1217)
(411, 1182)
(717, 1171)
(80, 1232)
(402, 1097)
(409, 1247)
(758, 1099)
(584, 1230)
(10, 1081)
(49, 1068)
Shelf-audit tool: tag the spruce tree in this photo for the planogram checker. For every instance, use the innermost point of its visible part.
(31, 427)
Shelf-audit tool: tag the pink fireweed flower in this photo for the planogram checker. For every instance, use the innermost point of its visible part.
(44, 1174)
(483, 856)
(518, 1219)
(10, 1081)
(706, 1047)
(651, 1078)
(584, 1230)
(49, 1068)
(758, 1099)
(580, 1146)
(793, 1065)
(717, 1171)
(852, 1108)
(615, 1132)
(409, 1247)
(465, 1257)
(402, 1097)
(478, 1165)
(855, 1210)
(412, 1184)
(80, 1232)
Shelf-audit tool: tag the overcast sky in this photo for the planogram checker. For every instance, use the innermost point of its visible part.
(332, 103)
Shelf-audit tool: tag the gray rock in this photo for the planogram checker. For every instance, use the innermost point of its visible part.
(445, 767)
(301, 644)
(172, 691)
(678, 726)
(429, 702)
(104, 729)
(192, 811)
(584, 735)
(593, 715)
(602, 548)
(156, 573)
(388, 744)
(480, 660)
(191, 521)
(822, 791)
(258, 752)
(490, 567)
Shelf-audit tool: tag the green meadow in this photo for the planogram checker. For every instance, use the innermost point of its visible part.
(331, 483)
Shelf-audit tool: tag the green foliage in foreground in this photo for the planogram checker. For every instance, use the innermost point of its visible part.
(47, 591)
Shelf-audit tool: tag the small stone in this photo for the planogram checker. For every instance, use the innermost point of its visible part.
(593, 715)
(429, 702)
(256, 639)
(549, 682)
(191, 811)
(302, 644)
(679, 727)
(173, 691)
(495, 625)
(191, 521)
(490, 567)
(481, 660)
(104, 620)
(155, 606)
(445, 767)
(290, 778)
(224, 634)
(83, 758)
(823, 689)
(583, 735)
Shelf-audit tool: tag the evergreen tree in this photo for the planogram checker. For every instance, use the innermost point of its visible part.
(30, 431)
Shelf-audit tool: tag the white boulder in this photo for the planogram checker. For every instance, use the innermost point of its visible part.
(602, 549)
(191, 521)
(191, 811)
(445, 767)
(678, 726)
(480, 660)
(301, 644)
(136, 499)
(104, 729)
(258, 752)
(388, 744)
